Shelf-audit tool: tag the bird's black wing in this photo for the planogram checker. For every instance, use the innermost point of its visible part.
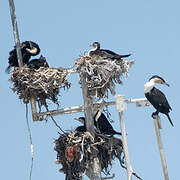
(115, 55)
(158, 99)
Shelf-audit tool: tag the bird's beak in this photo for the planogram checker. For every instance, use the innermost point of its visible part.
(166, 84)
(90, 45)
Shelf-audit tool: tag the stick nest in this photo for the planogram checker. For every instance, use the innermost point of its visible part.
(102, 74)
(42, 84)
(75, 152)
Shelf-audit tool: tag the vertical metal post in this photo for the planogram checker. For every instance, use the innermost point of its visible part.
(160, 146)
(18, 51)
(121, 107)
(94, 171)
(15, 31)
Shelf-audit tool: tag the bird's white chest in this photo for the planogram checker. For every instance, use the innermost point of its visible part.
(148, 86)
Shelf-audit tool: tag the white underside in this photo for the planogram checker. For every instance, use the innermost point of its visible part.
(148, 86)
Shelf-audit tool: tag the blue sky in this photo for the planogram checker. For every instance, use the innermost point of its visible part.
(64, 29)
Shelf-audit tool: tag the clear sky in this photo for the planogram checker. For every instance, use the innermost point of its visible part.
(64, 29)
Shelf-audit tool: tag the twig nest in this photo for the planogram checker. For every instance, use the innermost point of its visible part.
(102, 74)
(75, 152)
(43, 83)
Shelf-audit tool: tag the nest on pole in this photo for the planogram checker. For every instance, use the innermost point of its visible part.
(42, 84)
(75, 152)
(102, 74)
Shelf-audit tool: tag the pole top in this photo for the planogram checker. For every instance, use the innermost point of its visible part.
(120, 103)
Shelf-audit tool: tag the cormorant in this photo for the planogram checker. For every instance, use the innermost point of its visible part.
(102, 124)
(28, 49)
(37, 63)
(81, 129)
(156, 97)
(103, 53)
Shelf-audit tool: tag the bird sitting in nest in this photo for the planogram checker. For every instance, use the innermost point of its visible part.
(101, 123)
(28, 49)
(97, 52)
(37, 63)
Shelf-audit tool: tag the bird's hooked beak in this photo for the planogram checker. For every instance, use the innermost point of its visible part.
(32, 51)
(166, 84)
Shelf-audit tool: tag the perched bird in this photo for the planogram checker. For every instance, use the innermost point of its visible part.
(156, 97)
(102, 124)
(37, 63)
(28, 49)
(103, 53)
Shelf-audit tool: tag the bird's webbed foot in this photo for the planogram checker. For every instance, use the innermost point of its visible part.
(154, 114)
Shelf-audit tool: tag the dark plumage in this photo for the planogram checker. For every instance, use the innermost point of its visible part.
(28, 49)
(81, 129)
(37, 63)
(157, 98)
(104, 125)
(103, 53)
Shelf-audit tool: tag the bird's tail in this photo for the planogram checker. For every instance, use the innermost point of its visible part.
(123, 56)
(119, 133)
(169, 119)
(7, 70)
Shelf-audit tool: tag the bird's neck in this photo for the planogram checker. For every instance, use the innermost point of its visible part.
(92, 50)
(148, 86)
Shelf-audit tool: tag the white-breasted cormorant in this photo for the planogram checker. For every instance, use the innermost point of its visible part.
(156, 97)
(103, 53)
(37, 63)
(28, 49)
(102, 124)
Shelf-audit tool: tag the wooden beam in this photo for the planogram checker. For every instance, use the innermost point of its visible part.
(94, 170)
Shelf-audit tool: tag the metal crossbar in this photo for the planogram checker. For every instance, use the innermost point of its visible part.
(140, 102)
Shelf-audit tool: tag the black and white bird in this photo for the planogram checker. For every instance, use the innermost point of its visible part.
(156, 97)
(37, 63)
(103, 53)
(102, 124)
(28, 49)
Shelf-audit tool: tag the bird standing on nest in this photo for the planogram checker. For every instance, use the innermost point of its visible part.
(103, 53)
(37, 63)
(156, 97)
(28, 49)
(102, 124)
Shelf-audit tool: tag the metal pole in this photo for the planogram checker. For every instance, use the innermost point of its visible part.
(140, 102)
(160, 146)
(15, 31)
(18, 51)
(121, 107)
